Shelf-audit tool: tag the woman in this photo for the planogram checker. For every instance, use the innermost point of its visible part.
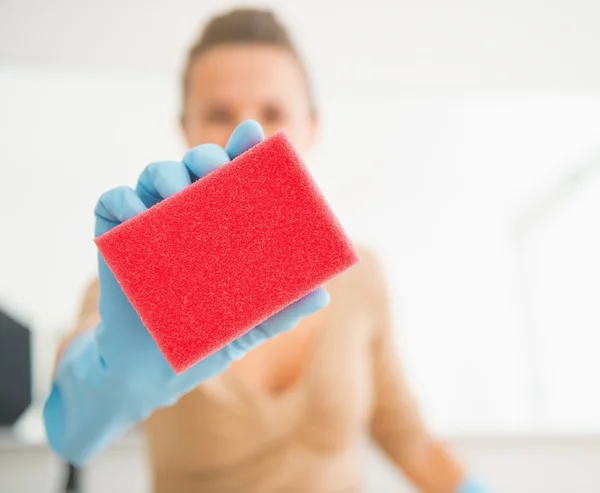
(286, 416)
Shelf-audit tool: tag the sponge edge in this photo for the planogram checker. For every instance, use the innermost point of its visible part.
(211, 262)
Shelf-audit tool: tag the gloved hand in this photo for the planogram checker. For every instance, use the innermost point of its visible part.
(114, 376)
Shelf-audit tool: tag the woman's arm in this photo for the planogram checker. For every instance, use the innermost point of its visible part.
(396, 423)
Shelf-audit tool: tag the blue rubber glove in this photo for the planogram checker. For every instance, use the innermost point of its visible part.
(114, 376)
(470, 486)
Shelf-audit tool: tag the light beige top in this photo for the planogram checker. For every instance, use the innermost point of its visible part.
(227, 437)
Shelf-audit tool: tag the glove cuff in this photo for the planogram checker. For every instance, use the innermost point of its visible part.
(84, 410)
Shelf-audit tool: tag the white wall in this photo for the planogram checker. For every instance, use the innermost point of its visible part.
(443, 127)
(355, 48)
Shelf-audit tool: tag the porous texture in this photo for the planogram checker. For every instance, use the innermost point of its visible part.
(206, 265)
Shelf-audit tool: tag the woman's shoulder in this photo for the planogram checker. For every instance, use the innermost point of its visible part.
(366, 276)
(369, 259)
(369, 268)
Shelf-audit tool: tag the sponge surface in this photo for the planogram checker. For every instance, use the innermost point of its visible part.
(211, 262)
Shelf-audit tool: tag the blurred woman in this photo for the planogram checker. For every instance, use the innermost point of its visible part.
(288, 416)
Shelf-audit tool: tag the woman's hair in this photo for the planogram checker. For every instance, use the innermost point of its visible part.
(244, 26)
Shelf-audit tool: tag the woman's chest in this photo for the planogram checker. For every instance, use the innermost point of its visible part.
(324, 406)
(316, 383)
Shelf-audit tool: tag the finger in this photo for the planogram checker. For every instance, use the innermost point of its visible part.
(116, 206)
(206, 368)
(201, 160)
(286, 319)
(246, 135)
(291, 315)
(161, 180)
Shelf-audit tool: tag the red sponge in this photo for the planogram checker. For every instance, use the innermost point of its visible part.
(206, 265)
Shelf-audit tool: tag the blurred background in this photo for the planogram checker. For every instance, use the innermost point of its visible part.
(461, 140)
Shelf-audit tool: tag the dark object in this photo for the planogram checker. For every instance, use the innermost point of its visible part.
(72, 485)
(15, 369)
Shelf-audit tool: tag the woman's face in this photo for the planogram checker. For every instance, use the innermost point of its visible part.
(232, 83)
